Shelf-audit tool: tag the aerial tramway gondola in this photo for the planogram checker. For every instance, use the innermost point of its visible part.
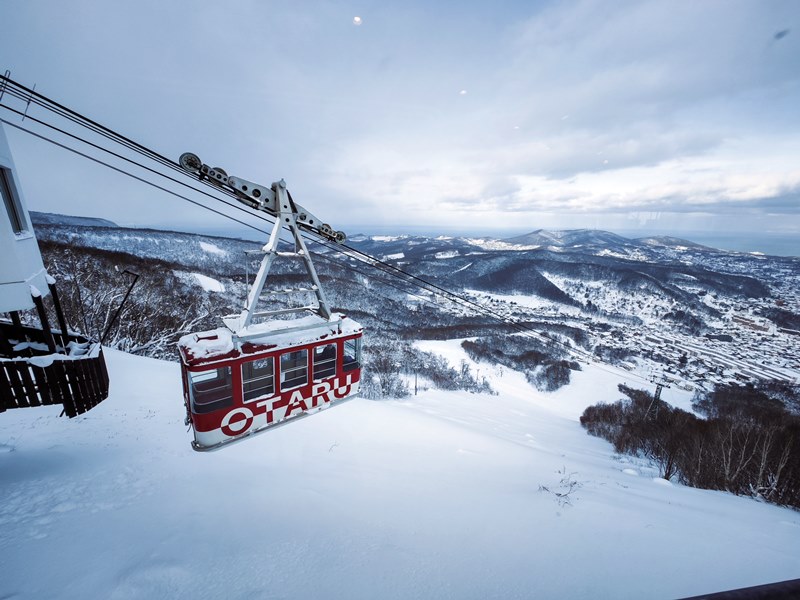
(255, 374)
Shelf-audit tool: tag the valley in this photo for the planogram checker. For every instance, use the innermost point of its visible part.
(663, 309)
(666, 309)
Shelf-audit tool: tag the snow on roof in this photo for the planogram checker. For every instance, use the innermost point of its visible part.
(207, 344)
(223, 343)
(338, 322)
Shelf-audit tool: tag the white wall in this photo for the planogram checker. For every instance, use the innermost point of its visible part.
(20, 261)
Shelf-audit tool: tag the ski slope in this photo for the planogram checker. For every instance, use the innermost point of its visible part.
(434, 496)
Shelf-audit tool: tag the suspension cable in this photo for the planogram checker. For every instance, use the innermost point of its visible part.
(126, 173)
(23, 93)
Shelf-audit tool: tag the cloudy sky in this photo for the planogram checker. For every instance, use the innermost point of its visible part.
(674, 116)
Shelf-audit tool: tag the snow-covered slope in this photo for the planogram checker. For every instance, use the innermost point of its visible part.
(436, 496)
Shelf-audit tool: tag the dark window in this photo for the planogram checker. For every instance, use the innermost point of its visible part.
(258, 378)
(352, 354)
(325, 361)
(211, 390)
(294, 369)
(11, 202)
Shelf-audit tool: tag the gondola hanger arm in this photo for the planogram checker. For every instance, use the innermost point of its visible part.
(260, 197)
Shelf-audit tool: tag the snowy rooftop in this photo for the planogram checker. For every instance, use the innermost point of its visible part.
(222, 343)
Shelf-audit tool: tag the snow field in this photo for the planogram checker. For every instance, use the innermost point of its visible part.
(433, 496)
(212, 249)
(207, 283)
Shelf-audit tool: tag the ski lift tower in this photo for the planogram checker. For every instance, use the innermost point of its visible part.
(39, 364)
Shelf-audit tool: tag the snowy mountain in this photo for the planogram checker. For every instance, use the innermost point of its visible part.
(662, 305)
(440, 495)
(570, 238)
(40, 218)
(672, 242)
(482, 485)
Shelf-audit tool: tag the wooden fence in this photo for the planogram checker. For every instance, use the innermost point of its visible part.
(79, 383)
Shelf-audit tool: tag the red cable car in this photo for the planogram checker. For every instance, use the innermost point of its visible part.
(232, 392)
(250, 376)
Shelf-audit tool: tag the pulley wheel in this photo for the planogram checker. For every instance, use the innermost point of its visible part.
(190, 162)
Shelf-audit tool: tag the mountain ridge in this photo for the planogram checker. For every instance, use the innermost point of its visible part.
(45, 218)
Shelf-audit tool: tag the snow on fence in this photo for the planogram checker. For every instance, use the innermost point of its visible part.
(76, 378)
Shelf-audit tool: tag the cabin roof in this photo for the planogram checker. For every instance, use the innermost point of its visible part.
(218, 344)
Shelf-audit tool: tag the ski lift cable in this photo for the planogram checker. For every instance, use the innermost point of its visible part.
(453, 297)
(154, 171)
(358, 255)
(385, 282)
(368, 260)
(117, 155)
(56, 108)
(150, 155)
(131, 175)
(133, 162)
(520, 328)
(28, 95)
(459, 299)
(351, 252)
(364, 258)
(85, 122)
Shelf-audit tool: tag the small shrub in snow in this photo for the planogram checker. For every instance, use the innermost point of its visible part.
(563, 490)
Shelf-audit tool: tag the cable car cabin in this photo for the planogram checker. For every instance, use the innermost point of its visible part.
(237, 385)
(249, 377)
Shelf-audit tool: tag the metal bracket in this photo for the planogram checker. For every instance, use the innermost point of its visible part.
(261, 197)
(287, 217)
(276, 201)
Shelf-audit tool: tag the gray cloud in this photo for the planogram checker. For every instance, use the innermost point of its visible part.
(584, 107)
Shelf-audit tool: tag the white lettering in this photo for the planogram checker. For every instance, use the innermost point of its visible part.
(240, 425)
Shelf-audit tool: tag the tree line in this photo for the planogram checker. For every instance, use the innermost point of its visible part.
(746, 441)
(543, 364)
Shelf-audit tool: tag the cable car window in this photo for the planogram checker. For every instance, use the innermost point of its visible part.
(352, 354)
(294, 369)
(325, 361)
(211, 390)
(258, 378)
(11, 202)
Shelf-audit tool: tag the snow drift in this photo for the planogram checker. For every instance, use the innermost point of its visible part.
(442, 495)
